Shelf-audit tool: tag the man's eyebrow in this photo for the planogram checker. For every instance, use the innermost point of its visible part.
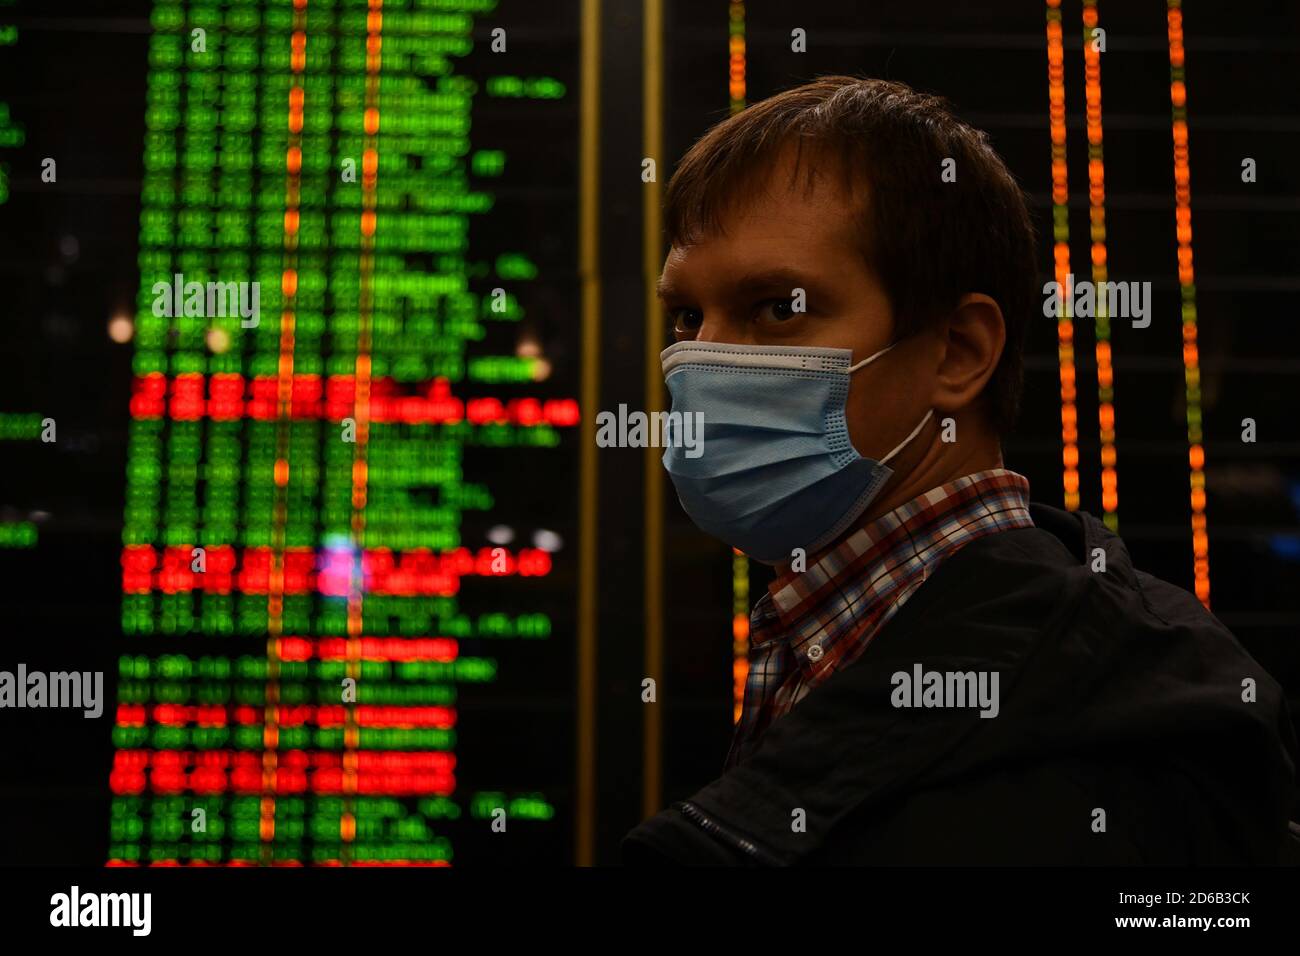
(780, 279)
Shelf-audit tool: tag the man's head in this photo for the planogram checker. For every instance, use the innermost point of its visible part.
(843, 188)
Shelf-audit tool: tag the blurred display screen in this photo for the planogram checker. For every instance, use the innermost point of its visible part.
(337, 378)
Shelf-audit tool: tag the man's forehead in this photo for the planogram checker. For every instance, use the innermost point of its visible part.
(785, 228)
(801, 213)
(813, 192)
(754, 270)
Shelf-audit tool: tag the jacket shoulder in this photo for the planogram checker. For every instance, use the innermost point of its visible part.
(1119, 693)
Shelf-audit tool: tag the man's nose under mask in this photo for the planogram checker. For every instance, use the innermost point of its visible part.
(778, 471)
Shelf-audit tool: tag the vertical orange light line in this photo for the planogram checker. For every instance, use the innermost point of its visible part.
(284, 400)
(1061, 257)
(736, 88)
(736, 55)
(361, 408)
(652, 136)
(1097, 229)
(1187, 288)
(585, 805)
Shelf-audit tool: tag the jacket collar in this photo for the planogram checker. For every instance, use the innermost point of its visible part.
(846, 747)
(1083, 535)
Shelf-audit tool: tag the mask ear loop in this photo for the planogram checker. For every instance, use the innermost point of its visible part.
(869, 359)
(915, 431)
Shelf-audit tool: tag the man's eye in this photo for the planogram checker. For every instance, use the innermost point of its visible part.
(685, 321)
(777, 310)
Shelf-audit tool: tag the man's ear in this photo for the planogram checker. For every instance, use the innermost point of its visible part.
(972, 339)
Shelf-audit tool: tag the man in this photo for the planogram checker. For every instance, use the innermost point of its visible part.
(941, 672)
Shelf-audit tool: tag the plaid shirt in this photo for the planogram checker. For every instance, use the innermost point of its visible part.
(813, 622)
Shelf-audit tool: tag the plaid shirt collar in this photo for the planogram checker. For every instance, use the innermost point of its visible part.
(812, 622)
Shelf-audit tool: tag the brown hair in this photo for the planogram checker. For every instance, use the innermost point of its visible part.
(929, 241)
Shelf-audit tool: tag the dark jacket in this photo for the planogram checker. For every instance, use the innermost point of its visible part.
(1118, 693)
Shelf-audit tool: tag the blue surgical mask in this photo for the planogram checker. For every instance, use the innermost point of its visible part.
(777, 469)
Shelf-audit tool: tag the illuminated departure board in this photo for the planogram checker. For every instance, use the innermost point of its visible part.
(345, 567)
